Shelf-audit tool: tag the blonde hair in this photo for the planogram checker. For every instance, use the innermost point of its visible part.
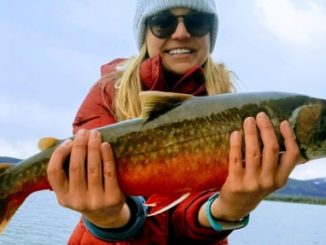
(126, 103)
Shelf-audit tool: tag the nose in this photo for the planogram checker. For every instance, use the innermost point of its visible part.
(181, 31)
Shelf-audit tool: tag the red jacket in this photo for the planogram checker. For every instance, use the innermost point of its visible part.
(179, 225)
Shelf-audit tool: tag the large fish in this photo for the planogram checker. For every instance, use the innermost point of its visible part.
(180, 143)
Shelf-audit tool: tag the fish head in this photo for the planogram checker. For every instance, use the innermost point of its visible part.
(309, 125)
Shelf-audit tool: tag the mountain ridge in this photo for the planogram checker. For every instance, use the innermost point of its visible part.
(313, 188)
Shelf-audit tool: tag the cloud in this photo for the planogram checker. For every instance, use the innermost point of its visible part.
(24, 122)
(32, 118)
(19, 148)
(101, 21)
(298, 23)
(100, 16)
(310, 170)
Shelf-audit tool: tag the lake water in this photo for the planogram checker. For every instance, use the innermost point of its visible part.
(42, 221)
(277, 223)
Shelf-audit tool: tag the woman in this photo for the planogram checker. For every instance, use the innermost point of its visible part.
(175, 39)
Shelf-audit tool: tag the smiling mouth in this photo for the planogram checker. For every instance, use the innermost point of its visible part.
(179, 51)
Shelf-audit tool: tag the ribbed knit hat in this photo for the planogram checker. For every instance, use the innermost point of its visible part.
(146, 8)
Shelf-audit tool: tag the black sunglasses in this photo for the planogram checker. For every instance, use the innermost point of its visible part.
(163, 25)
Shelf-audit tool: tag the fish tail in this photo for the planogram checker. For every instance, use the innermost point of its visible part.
(8, 208)
(8, 203)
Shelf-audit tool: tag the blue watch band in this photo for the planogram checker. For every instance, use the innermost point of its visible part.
(222, 225)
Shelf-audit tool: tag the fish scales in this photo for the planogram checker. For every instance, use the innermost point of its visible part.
(14, 180)
(177, 140)
(173, 140)
(179, 149)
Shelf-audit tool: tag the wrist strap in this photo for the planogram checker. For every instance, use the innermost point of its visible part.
(222, 225)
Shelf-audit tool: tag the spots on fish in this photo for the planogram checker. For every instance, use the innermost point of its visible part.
(170, 136)
(200, 171)
(21, 179)
(195, 144)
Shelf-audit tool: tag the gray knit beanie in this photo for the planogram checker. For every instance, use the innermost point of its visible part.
(146, 8)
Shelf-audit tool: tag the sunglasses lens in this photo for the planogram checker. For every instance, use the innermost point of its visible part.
(163, 25)
(198, 25)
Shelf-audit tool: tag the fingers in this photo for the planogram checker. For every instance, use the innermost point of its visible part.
(235, 156)
(252, 152)
(289, 158)
(92, 186)
(110, 177)
(109, 168)
(55, 172)
(77, 169)
(270, 150)
(94, 163)
(262, 161)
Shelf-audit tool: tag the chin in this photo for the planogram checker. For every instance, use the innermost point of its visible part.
(181, 69)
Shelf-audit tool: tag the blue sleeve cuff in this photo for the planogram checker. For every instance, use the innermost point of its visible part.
(137, 220)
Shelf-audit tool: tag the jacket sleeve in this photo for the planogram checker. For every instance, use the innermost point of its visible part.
(95, 111)
(88, 233)
(185, 220)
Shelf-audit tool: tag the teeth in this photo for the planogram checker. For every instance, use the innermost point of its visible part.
(180, 51)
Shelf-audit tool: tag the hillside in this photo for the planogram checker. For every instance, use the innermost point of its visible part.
(302, 191)
(304, 188)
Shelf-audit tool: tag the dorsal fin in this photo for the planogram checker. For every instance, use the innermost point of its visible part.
(47, 142)
(155, 103)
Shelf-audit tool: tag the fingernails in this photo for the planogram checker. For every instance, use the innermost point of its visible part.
(235, 135)
(250, 121)
(81, 134)
(67, 142)
(106, 146)
(285, 125)
(93, 134)
(262, 115)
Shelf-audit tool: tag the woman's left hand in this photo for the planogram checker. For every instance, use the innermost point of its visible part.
(260, 172)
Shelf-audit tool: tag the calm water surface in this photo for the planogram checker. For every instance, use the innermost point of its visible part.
(42, 221)
(277, 223)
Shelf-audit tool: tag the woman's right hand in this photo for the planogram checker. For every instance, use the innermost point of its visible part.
(91, 186)
(257, 172)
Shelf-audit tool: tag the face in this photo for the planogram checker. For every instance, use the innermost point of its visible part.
(180, 51)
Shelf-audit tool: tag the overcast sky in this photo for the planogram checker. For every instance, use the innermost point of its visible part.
(51, 51)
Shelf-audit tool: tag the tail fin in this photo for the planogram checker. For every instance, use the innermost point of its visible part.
(8, 204)
(8, 208)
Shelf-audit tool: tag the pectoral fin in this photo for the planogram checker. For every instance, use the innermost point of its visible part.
(161, 203)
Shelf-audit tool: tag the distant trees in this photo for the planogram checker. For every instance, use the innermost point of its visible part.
(297, 199)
